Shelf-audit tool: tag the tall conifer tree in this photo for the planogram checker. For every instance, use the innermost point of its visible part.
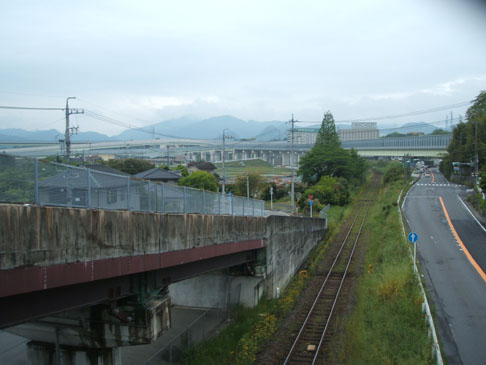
(327, 134)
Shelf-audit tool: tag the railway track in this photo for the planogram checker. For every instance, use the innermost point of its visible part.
(315, 323)
(312, 334)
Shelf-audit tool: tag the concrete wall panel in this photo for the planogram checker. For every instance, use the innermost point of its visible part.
(87, 242)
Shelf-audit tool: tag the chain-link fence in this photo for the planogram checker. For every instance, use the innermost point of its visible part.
(27, 180)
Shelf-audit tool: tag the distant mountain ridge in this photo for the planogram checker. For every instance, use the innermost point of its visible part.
(190, 127)
(420, 127)
(186, 127)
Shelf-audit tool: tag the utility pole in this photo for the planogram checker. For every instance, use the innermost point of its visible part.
(271, 197)
(247, 185)
(67, 137)
(153, 138)
(168, 156)
(476, 162)
(292, 198)
(224, 171)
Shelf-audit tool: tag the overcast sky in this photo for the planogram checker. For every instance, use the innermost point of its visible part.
(143, 62)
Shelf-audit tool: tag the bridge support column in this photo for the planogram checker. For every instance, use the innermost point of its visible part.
(93, 335)
(41, 353)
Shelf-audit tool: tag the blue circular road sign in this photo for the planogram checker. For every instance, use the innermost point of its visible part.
(413, 237)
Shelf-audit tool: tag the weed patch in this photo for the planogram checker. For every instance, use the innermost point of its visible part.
(387, 325)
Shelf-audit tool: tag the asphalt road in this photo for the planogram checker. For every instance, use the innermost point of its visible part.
(455, 285)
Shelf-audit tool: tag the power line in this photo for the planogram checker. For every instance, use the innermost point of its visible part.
(410, 126)
(117, 122)
(28, 108)
(401, 115)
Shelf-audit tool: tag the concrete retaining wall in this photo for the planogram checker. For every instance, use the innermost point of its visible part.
(289, 242)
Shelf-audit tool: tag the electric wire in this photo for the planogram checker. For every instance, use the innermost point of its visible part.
(28, 108)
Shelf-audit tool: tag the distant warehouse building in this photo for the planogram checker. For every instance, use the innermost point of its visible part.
(359, 131)
(304, 135)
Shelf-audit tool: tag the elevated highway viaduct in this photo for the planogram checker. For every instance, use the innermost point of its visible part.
(276, 152)
(91, 281)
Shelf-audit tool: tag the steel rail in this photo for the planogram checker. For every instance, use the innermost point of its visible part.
(316, 355)
(297, 339)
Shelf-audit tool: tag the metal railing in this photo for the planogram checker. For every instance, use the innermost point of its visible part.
(29, 180)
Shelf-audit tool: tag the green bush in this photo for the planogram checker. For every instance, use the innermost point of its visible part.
(329, 190)
(393, 173)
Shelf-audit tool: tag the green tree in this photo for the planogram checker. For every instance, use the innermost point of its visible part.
(278, 191)
(439, 131)
(394, 172)
(329, 190)
(394, 134)
(200, 180)
(328, 158)
(358, 166)
(255, 183)
(324, 160)
(478, 108)
(183, 169)
(131, 166)
(327, 133)
(464, 138)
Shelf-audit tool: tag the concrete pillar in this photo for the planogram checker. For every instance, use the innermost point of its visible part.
(218, 290)
(41, 353)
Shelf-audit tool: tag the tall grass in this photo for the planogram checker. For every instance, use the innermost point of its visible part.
(220, 349)
(387, 325)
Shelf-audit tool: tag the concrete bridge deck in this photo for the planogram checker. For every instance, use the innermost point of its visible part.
(65, 258)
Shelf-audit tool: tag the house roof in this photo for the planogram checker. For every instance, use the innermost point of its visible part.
(106, 168)
(206, 166)
(158, 174)
(78, 178)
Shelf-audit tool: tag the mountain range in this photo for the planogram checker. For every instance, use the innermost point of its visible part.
(189, 127)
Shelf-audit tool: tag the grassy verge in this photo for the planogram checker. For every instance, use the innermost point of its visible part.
(387, 325)
(248, 331)
(220, 349)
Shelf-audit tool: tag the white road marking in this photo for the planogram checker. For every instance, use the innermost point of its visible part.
(472, 215)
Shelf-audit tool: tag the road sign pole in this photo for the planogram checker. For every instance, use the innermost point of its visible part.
(413, 237)
(415, 256)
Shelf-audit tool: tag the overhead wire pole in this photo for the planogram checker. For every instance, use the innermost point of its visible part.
(292, 165)
(67, 137)
(476, 162)
(224, 171)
